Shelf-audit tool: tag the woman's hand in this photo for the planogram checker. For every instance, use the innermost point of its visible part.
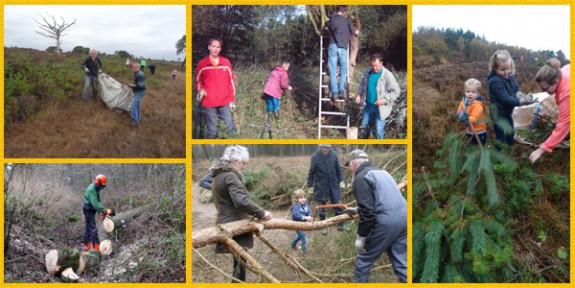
(267, 216)
(536, 154)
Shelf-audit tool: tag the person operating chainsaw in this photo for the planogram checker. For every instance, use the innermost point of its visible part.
(91, 206)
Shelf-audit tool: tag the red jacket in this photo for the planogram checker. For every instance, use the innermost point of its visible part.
(218, 81)
(277, 83)
(562, 96)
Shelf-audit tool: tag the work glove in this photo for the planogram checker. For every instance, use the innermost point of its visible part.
(100, 71)
(86, 69)
(360, 244)
(358, 99)
(525, 99)
(309, 191)
(351, 211)
(341, 185)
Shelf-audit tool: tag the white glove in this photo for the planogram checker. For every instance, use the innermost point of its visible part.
(309, 190)
(341, 185)
(233, 106)
(100, 71)
(267, 216)
(86, 69)
(360, 244)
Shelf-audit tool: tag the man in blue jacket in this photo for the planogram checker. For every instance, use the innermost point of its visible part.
(322, 180)
(383, 218)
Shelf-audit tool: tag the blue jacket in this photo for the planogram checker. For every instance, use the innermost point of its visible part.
(502, 93)
(324, 174)
(377, 197)
(299, 211)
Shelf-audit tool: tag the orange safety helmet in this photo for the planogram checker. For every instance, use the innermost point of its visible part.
(100, 181)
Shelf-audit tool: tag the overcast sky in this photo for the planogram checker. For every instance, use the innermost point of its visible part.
(535, 27)
(147, 31)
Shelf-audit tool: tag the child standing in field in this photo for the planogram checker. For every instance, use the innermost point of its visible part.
(300, 212)
(277, 83)
(503, 89)
(174, 72)
(471, 112)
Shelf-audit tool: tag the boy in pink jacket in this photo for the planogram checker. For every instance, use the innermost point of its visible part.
(277, 83)
(553, 79)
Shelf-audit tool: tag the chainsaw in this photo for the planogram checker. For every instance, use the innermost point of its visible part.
(103, 214)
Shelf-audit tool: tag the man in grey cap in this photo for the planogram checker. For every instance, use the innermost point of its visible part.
(322, 180)
(383, 218)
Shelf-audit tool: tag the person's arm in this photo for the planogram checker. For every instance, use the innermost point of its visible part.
(498, 88)
(140, 81)
(475, 113)
(84, 63)
(199, 76)
(296, 214)
(364, 194)
(101, 66)
(284, 80)
(311, 172)
(391, 88)
(461, 105)
(206, 181)
(338, 170)
(562, 126)
(240, 197)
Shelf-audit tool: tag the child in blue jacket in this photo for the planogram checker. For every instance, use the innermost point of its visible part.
(301, 211)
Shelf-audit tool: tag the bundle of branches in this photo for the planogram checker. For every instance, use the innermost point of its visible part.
(470, 213)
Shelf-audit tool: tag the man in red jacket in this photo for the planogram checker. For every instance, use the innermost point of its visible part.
(216, 88)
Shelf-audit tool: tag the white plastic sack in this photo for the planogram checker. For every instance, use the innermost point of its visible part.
(115, 94)
(523, 116)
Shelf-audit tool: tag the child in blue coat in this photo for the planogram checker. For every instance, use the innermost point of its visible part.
(300, 212)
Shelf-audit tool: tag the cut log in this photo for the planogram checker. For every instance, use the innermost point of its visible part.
(68, 276)
(106, 247)
(219, 233)
(57, 260)
(121, 220)
(89, 260)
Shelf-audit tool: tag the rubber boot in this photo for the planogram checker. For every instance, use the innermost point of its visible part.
(97, 247)
(88, 246)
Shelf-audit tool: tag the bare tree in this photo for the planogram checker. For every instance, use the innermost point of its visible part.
(52, 29)
(181, 48)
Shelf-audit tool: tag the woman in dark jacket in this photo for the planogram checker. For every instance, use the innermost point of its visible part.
(232, 201)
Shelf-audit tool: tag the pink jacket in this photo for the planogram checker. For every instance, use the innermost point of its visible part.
(277, 83)
(562, 98)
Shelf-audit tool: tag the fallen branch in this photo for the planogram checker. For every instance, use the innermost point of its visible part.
(236, 248)
(215, 267)
(291, 261)
(222, 232)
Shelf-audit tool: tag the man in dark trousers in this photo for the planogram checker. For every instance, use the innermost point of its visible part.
(383, 218)
(340, 29)
(322, 180)
(91, 206)
(92, 66)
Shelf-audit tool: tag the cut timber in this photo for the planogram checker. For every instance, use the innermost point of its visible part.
(69, 276)
(121, 220)
(106, 247)
(219, 233)
(57, 260)
(89, 260)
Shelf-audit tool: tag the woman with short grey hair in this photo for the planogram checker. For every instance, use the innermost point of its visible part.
(232, 201)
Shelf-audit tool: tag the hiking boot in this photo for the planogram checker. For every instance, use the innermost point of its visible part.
(323, 231)
(134, 124)
(294, 250)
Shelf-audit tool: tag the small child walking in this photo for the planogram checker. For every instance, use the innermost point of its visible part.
(471, 112)
(278, 82)
(174, 72)
(300, 212)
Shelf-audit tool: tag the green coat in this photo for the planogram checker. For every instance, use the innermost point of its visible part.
(92, 197)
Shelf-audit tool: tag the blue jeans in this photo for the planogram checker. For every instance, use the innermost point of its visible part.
(90, 80)
(482, 137)
(300, 236)
(90, 231)
(335, 55)
(273, 103)
(135, 109)
(212, 115)
(504, 138)
(370, 112)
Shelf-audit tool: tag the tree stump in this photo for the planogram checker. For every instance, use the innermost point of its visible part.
(121, 220)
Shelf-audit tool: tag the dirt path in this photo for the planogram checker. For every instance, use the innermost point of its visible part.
(74, 129)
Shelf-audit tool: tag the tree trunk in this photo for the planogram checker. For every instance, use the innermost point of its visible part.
(60, 260)
(121, 220)
(219, 233)
(68, 276)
